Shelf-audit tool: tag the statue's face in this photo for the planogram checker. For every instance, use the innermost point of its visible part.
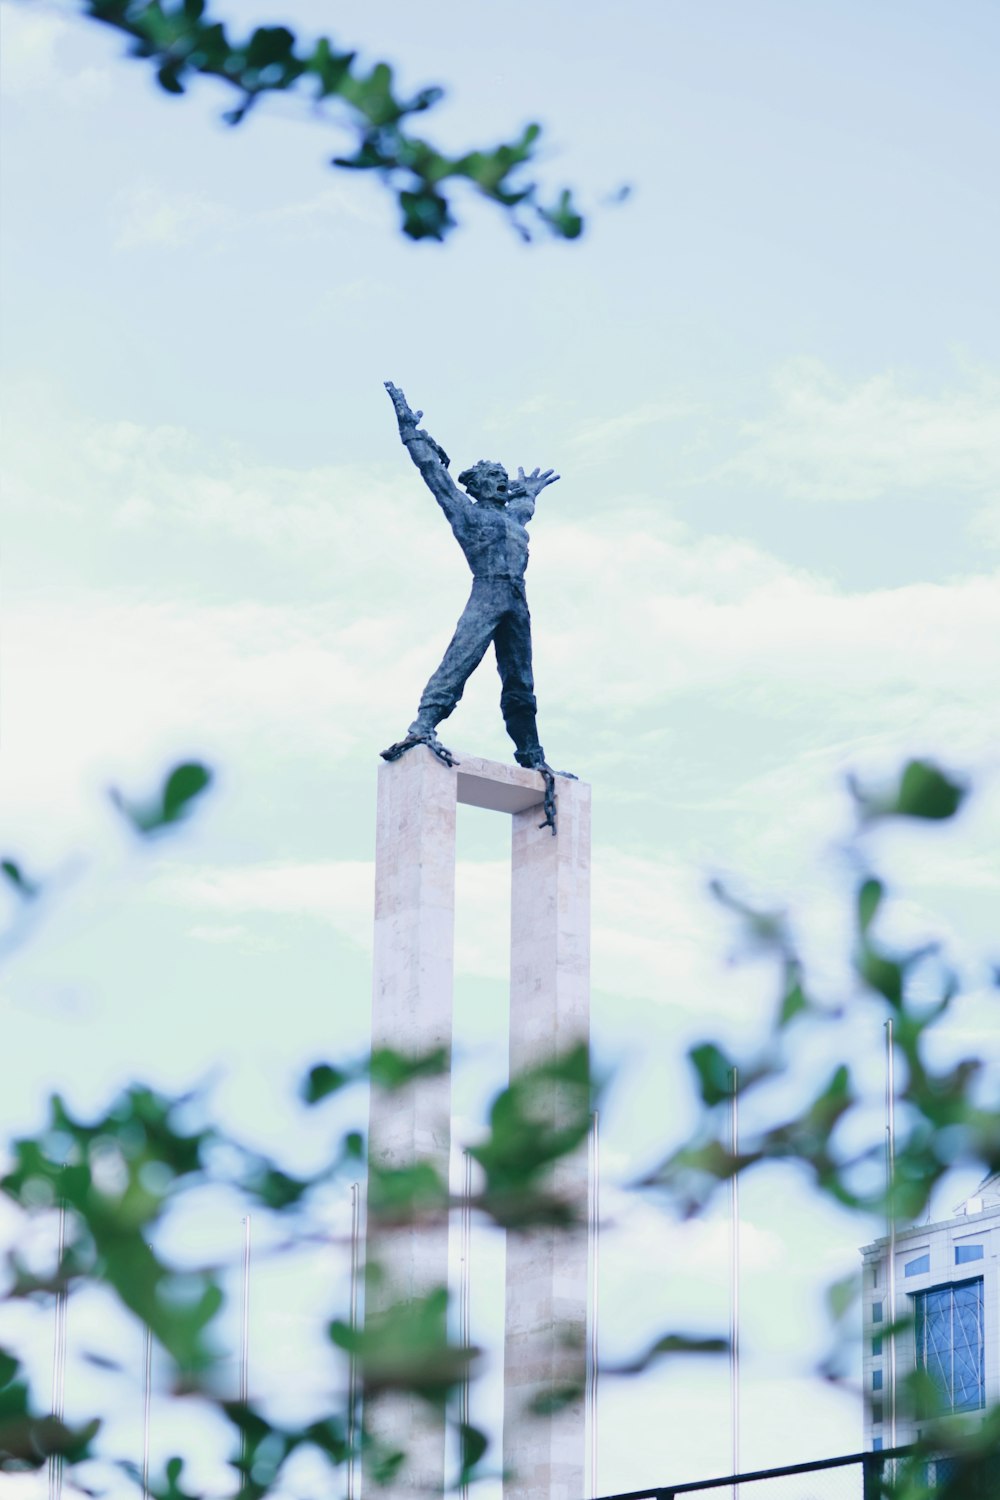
(487, 483)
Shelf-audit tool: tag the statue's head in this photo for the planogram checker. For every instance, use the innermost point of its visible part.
(487, 482)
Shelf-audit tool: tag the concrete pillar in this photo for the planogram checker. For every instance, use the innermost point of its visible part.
(546, 1302)
(411, 1012)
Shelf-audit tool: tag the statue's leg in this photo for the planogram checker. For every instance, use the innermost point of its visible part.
(465, 651)
(517, 695)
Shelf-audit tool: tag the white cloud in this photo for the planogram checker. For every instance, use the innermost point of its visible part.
(35, 51)
(325, 210)
(985, 523)
(652, 932)
(151, 215)
(599, 437)
(829, 439)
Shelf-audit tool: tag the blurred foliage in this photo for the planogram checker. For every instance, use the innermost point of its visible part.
(181, 41)
(172, 802)
(116, 1179)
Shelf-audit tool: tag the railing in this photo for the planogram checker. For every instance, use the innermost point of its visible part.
(852, 1476)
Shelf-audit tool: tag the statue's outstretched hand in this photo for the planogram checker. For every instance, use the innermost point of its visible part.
(404, 415)
(530, 484)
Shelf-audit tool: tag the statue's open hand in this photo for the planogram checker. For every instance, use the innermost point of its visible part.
(530, 484)
(404, 415)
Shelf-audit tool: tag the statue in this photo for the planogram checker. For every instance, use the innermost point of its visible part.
(489, 522)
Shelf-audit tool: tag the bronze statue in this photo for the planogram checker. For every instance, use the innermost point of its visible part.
(490, 524)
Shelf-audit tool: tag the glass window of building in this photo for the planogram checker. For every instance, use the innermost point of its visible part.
(877, 1344)
(876, 1380)
(917, 1267)
(876, 1312)
(948, 1330)
(876, 1413)
(876, 1445)
(965, 1253)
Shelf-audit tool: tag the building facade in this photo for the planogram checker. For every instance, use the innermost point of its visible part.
(947, 1301)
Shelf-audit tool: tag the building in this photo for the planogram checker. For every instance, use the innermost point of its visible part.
(947, 1297)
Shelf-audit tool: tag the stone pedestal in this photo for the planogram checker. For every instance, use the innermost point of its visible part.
(546, 1305)
(412, 1012)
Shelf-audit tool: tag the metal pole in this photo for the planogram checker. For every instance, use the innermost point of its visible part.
(147, 1398)
(352, 1377)
(594, 1235)
(734, 1281)
(890, 1164)
(245, 1322)
(245, 1343)
(55, 1464)
(465, 1293)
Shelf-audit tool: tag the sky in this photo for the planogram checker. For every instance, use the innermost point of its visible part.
(769, 379)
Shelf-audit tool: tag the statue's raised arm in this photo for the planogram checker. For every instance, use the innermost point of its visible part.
(428, 455)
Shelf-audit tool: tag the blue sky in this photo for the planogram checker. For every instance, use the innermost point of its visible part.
(769, 380)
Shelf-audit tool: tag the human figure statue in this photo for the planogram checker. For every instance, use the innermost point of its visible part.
(489, 522)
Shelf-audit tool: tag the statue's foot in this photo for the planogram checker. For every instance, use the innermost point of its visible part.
(420, 737)
(534, 760)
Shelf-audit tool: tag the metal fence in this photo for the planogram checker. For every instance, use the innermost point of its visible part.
(853, 1476)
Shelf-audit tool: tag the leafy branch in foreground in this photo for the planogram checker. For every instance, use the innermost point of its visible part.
(182, 41)
(120, 1177)
(948, 1114)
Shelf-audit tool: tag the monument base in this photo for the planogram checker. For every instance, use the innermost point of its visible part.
(546, 1282)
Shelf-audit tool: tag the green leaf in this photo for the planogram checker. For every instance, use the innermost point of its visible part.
(400, 1194)
(670, 1344)
(392, 1070)
(26, 889)
(184, 783)
(330, 1437)
(870, 894)
(924, 791)
(841, 1295)
(714, 1070)
(794, 1002)
(182, 786)
(473, 1444)
(323, 1080)
(167, 78)
(559, 1398)
(268, 45)
(9, 1367)
(563, 218)
(170, 1487)
(386, 1464)
(927, 792)
(405, 1346)
(542, 1116)
(426, 215)
(882, 974)
(330, 67)
(273, 1187)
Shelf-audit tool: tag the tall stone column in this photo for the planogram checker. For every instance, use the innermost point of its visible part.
(412, 1013)
(546, 1286)
(546, 1303)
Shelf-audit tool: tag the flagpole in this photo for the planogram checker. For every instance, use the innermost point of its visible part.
(734, 1280)
(890, 1172)
(352, 1388)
